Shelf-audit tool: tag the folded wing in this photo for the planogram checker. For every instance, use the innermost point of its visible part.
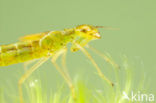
(32, 37)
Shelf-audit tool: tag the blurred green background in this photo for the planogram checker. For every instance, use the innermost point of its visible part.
(136, 38)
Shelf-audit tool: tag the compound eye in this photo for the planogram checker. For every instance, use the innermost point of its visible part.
(84, 30)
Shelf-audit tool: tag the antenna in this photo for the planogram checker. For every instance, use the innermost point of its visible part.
(107, 27)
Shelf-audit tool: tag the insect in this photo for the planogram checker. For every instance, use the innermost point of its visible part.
(52, 44)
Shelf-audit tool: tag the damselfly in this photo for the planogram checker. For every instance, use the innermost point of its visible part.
(52, 44)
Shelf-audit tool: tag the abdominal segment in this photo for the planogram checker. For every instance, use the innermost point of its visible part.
(20, 52)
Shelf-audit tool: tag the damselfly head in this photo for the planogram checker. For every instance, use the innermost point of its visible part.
(88, 31)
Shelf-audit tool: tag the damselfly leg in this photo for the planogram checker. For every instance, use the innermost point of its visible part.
(105, 57)
(96, 66)
(27, 74)
(64, 73)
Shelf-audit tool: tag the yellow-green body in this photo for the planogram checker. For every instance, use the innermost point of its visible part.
(20, 52)
(47, 45)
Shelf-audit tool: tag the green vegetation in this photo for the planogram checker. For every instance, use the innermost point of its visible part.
(37, 94)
